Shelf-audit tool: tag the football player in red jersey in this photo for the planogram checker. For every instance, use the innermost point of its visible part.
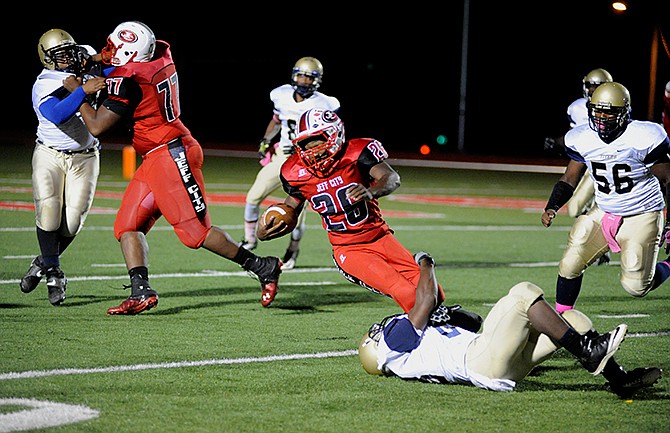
(343, 180)
(144, 87)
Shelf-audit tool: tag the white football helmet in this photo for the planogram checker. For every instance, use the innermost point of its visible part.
(323, 125)
(593, 79)
(609, 110)
(131, 41)
(367, 349)
(311, 67)
(58, 51)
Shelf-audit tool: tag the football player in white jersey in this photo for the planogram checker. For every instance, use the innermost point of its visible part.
(583, 197)
(628, 161)
(290, 101)
(66, 158)
(520, 332)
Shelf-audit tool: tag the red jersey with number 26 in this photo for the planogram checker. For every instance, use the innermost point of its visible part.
(345, 223)
(150, 90)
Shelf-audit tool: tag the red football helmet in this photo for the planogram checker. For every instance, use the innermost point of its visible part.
(317, 124)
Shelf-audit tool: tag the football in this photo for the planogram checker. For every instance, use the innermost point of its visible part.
(280, 212)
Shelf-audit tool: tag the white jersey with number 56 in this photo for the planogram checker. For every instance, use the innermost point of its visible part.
(624, 184)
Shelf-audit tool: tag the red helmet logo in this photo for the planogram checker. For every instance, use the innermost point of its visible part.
(127, 36)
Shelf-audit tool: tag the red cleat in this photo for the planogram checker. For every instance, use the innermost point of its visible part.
(268, 293)
(135, 305)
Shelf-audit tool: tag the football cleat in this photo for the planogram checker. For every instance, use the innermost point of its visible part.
(289, 259)
(266, 270)
(248, 245)
(135, 304)
(597, 351)
(56, 285)
(635, 380)
(34, 275)
(604, 259)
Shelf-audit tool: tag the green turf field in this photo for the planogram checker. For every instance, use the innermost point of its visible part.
(209, 358)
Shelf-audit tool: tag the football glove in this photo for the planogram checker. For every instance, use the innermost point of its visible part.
(665, 238)
(549, 143)
(263, 147)
(455, 315)
(552, 145)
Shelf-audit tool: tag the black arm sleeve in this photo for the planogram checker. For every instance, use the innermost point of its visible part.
(559, 195)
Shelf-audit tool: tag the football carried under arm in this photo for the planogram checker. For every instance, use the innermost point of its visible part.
(277, 220)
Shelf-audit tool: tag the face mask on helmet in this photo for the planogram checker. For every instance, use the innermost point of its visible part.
(309, 67)
(58, 51)
(319, 125)
(593, 79)
(609, 111)
(131, 41)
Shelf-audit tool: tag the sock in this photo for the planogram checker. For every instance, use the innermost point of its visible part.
(571, 340)
(139, 281)
(50, 261)
(567, 291)
(63, 243)
(140, 272)
(661, 274)
(242, 256)
(561, 308)
(250, 231)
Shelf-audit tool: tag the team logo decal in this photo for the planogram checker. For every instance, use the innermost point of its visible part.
(329, 116)
(127, 36)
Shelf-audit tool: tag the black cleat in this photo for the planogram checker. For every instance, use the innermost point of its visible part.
(635, 380)
(56, 285)
(596, 351)
(604, 259)
(34, 275)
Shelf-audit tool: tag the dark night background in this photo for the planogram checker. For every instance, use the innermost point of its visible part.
(395, 70)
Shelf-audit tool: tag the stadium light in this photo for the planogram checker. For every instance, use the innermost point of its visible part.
(619, 6)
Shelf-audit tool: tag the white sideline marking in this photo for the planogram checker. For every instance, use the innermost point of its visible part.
(43, 414)
(621, 316)
(121, 368)
(450, 228)
(205, 273)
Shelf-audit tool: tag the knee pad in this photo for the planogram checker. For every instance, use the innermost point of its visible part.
(49, 213)
(571, 266)
(74, 221)
(527, 290)
(578, 320)
(635, 287)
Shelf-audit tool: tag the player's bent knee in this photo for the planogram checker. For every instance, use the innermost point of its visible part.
(527, 290)
(578, 320)
(635, 287)
(571, 267)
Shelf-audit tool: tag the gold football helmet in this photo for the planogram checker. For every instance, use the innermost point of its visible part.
(311, 67)
(609, 110)
(367, 349)
(58, 50)
(593, 79)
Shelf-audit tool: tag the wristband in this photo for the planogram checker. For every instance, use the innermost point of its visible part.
(559, 195)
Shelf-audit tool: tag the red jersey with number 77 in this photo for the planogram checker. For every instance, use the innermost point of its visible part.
(151, 91)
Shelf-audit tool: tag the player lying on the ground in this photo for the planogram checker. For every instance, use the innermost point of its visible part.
(520, 332)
